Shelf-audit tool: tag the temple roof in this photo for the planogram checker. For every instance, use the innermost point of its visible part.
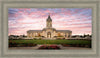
(49, 28)
(63, 31)
(31, 31)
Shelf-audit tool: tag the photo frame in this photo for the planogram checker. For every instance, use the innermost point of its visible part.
(5, 52)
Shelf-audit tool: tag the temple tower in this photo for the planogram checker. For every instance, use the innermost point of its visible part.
(49, 22)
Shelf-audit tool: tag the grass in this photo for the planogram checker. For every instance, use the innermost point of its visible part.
(51, 41)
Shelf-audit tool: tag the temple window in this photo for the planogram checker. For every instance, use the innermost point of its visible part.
(36, 34)
(39, 34)
(59, 34)
(68, 35)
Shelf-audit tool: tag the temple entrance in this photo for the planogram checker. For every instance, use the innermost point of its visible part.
(48, 35)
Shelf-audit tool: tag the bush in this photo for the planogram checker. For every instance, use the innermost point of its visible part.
(76, 45)
(49, 47)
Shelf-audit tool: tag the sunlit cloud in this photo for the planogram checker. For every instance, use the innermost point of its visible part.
(78, 20)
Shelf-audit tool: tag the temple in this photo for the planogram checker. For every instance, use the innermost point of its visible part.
(49, 32)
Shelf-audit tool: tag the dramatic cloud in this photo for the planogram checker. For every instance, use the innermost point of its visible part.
(78, 20)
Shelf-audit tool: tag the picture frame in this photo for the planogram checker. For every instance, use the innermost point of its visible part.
(6, 53)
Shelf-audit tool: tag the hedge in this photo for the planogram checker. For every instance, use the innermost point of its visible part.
(51, 41)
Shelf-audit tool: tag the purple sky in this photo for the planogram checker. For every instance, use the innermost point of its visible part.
(78, 20)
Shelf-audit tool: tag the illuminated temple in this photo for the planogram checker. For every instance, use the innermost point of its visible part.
(49, 32)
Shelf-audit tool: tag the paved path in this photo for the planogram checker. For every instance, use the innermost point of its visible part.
(36, 47)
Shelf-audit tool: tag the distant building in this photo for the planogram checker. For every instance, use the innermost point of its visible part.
(17, 37)
(13, 37)
(49, 32)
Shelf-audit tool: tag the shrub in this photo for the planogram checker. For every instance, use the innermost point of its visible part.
(49, 47)
(59, 41)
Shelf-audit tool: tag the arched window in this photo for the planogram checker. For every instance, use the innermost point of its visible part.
(59, 34)
(39, 34)
(68, 35)
(36, 34)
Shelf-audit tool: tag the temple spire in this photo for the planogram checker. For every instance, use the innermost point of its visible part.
(49, 22)
(49, 18)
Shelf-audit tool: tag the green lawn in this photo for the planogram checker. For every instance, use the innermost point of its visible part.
(51, 41)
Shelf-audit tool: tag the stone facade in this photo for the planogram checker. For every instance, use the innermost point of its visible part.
(49, 32)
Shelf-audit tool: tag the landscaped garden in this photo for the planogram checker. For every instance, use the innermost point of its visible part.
(52, 46)
(64, 43)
